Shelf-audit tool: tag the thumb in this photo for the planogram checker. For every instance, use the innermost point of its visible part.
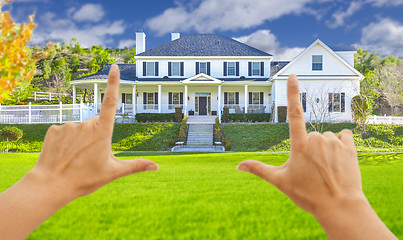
(127, 167)
(267, 172)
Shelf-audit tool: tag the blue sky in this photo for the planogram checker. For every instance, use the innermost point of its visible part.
(280, 27)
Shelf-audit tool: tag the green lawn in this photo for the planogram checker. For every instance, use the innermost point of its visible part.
(202, 196)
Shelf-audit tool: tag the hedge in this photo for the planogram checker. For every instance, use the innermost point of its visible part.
(155, 117)
(249, 117)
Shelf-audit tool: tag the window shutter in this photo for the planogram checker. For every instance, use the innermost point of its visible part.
(249, 68)
(261, 68)
(237, 98)
(197, 68)
(144, 98)
(225, 98)
(170, 98)
(156, 68)
(237, 68)
(182, 68)
(169, 69)
(304, 101)
(102, 97)
(181, 98)
(225, 69)
(250, 98)
(144, 69)
(123, 98)
(208, 68)
(156, 101)
(343, 102)
(330, 102)
(261, 98)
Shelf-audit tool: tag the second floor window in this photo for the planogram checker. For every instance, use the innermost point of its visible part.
(256, 69)
(150, 68)
(317, 63)
(176, 68)
(231, 68)
(203, 67)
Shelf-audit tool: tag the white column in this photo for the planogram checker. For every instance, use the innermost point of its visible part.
(159, 99)
(186, 100)
(246, 98)
(74, 94)
(134, 98)
(219, 102)
(96, 97)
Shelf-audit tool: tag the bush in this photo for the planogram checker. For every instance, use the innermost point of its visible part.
(178, 114)
(399, 131)
(282, 114)
(249, 117)
(225, 114)
(155, 117)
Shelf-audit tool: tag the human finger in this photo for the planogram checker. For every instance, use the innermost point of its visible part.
(346, 136)
(262, 170)
(108, 108)
(126, 167)
(296, 118)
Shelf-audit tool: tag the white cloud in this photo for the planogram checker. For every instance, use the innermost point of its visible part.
(223, 15)
(89, 12)
(339, 16)
(266, 41)
(52, 28)
(383, 37)
(127, 43)
(381, 3)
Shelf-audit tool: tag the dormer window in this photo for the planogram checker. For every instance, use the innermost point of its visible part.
(317, 62)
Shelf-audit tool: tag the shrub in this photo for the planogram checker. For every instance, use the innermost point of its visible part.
(178, 114)
(249, 117)
(282, 113)
(399, 131)
(155, 117)
(10, 134)
(225, 114)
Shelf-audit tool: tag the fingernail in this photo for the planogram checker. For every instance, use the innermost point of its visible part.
(152, 167)
(242, 168)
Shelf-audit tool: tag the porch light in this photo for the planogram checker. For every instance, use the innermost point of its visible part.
(317, 100)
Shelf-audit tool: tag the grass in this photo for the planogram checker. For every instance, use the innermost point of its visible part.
(275, 137)
(202, 196)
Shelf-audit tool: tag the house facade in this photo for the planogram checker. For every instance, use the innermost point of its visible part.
(203, 73)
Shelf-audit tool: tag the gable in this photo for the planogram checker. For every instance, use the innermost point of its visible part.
(333, 65)
(202, 78)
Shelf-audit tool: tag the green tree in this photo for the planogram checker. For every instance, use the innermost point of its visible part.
(391, 83)
(10, 134)
(365, 61)
(74, 63)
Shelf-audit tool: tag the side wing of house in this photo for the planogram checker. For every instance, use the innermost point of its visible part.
(328, 82)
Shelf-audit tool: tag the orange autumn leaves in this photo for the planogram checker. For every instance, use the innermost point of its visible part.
(16, 63)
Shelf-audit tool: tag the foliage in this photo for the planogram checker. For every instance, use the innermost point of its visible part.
(391, 76)
(218, 130)
(249, 117)
(182, 130)
(16, 61)
(360, 109)
(11, 133)
(225, 115)
(155, 117)
(74, 63)
(178, 114)
(282, 114)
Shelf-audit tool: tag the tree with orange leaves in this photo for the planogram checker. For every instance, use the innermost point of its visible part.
(16, 61)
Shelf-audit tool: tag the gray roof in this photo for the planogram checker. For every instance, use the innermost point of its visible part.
(127, 72)
(277, 66)
(204, 45)
(181, 79)
(343, 48)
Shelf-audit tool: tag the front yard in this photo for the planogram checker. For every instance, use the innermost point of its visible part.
(202, 196)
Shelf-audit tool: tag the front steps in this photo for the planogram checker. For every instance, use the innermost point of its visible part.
(200, 139)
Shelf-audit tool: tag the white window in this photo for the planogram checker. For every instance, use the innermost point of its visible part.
(231, 69)
(175, 68)
(337, 102)
(317, 62)
(150, 71)
(127, 98)
(255, 68)
(256, 98)
(149, 100)
(203, 67)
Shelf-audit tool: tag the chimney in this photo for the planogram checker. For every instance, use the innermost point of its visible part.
(140, 42)
(175, 36)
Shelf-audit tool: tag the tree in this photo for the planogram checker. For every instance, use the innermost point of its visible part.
(391, 83)
(10, 134)
(16, 62)
(360, 109)
(74, 63)
(365, 61)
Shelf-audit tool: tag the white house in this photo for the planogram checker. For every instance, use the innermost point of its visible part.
(205, 72)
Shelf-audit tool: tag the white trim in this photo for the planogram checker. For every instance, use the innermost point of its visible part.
(318, 41)
(201, 78)
(202, 57)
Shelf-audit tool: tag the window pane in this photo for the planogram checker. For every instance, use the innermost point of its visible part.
(256, 68)
(175, 98)
(231, 69)
(129, 98)
(175, 69)
(317, 62)
(203, 67)
(231, 99)
(336, 102)
(150, 69)
(256, 98)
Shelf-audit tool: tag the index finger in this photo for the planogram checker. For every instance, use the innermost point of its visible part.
(296, 118)
(108, 108)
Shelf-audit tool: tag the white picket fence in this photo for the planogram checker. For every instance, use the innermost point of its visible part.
(57, 113)
(385, 120)
(49, 96)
